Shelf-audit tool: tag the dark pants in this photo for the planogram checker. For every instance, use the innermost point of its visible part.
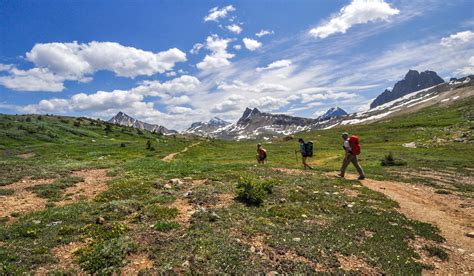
(351, 159)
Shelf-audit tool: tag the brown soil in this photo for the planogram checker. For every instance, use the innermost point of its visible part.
(186, 210)
(422, 203)
(22, 201)
(65, 256)
(171, 156)
(26, 155)
(135, 263)
(95, 182)
(357, 264)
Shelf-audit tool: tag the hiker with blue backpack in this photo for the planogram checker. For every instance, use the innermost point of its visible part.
(306, 150)
(352, 149)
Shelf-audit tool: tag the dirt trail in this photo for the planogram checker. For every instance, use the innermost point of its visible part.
(95, 182)
(171, 156)
(422, 203)
(22, 200)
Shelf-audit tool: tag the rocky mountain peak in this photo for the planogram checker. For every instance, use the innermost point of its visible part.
(413, 81)
(333, 112)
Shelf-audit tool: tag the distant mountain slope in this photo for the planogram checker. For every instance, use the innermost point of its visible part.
(205, 128)
(413, 81)
(333, 112)
(126, 120)
(254, 124)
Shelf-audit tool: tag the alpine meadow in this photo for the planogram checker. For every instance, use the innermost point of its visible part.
(237, 137)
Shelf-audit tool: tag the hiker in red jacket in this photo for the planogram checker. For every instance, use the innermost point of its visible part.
(261, 154)
(352, 149)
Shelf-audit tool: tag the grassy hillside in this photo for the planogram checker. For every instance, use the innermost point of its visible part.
(307, 222)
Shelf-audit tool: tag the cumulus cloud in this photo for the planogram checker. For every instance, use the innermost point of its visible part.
(251, 44)
(461, 38)
(196, 48)
(219, 56)
(216, 13)
(233, 102)
(59, 62)
(180, 110)
(268, 103)
(282, 63)
(357, 12)
(468, 69)
(182, 84)
(264, 33)
(237, 47)
(234, 28)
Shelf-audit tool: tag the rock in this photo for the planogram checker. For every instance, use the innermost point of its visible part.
(36, 221)
(167, 186)
(188, 193)
(176, 181)
(100, 220)
(185, 264)
(252, 249)
(411, 145)
(93, 141)
(282, 200)
(213, 216)
(187, 178)
(459, 140)
(315, 192)
(470, 234)
(101, 158)
(297, 239)
(304, 216)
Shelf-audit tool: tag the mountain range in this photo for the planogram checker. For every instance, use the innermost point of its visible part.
(415, 91)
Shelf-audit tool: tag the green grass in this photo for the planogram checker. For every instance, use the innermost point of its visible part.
(308, 214)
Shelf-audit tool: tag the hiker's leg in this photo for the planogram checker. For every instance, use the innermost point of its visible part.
(357, 166)
(345, 163)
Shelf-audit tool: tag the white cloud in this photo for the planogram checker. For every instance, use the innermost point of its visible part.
(264, 33)
(234, 28)
(251, 44)
(268, 103)
(74, 59)
(215, 13)
(468, 69)
(461, 38)
(196, 48)
(282, 63)
(182, 84)
(59, 62)
(184, 99)
(36, 79)
(180, 110)
(219, 56)
(237, 47)
(357, 12)
(5, 67)
(239, 86)
(171, 74)
(233, 102)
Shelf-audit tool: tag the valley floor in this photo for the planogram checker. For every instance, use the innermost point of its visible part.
(96, 201)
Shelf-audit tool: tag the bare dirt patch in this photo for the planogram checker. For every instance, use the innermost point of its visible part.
(186, 210)
(26, 155)
(65, 257)
(293, 171)
(421, 203)
(95, 182)
(22, 200)
(171, 156)
(135, 263)
(355, 263)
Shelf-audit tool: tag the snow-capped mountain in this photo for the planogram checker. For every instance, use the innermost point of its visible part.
(333, 112)
(413, 81)
(206, 128)
(125, 120)
(257, 124)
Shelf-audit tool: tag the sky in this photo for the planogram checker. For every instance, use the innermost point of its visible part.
(181, 61)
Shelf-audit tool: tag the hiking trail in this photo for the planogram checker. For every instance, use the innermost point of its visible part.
(171, 156)
(421, 203)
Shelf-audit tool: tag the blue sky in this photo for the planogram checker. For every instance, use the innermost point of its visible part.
(177, 62)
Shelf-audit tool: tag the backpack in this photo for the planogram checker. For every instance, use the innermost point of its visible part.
(354, 143)
(308, 148)
(262, 153)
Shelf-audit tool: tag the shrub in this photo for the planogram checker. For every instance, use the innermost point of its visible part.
(77, 123)
(253, 192)
(148, 144)
(6, 192)
(28, 119)
(434, 251)
(139, 132)
(390, 160)
(123, 145)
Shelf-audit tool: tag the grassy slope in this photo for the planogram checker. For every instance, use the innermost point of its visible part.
(137, 199)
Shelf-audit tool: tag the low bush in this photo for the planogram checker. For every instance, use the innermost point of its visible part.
(390, 160)
(434, 251)
(253, 191)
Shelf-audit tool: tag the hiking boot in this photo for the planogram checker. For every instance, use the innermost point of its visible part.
(340, 175)
(361, 178)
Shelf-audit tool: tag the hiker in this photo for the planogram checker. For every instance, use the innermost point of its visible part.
(352, 149)
(261, 154)
(305, 152)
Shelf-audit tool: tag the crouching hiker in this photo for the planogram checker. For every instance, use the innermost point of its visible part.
(352, 149)
(261, 154)
(306, 150)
